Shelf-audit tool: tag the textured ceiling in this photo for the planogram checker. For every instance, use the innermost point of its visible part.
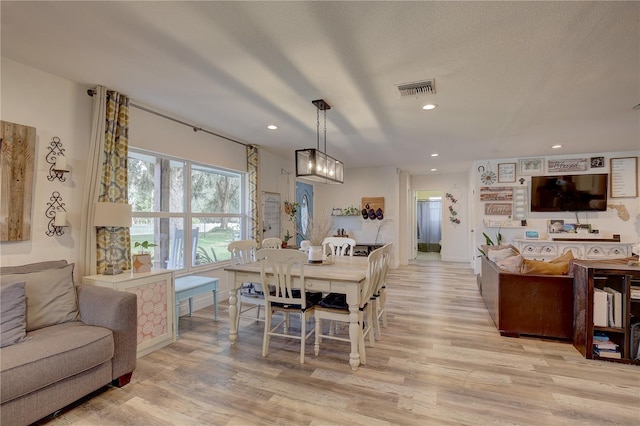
(512, 78)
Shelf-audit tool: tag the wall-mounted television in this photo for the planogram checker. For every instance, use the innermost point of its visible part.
(574, 193)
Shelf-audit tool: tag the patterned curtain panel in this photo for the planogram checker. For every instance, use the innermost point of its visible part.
(114, 181)
(252, 169)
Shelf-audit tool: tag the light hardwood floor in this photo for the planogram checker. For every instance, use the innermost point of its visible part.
(440, 362)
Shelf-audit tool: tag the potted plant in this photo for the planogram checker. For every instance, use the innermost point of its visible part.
(317, 229)
(286, 238)
(142, 261)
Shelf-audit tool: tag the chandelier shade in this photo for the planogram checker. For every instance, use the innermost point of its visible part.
(314, 164)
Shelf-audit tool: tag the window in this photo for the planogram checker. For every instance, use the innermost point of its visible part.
(190, 211)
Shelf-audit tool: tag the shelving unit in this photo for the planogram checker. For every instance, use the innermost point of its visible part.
(589, 276)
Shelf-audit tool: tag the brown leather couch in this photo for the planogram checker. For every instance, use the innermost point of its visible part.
(528, 304)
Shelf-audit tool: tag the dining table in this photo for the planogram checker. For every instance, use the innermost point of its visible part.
(343, 274)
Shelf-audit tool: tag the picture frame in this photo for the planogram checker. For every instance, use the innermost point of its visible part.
(623, 178)
(506, 172)
(531, 234)
(531, 166)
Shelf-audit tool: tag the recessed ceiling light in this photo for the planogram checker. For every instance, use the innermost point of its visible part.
(272, 127)
(556, 146)
(434, 154)
(434, 170)
(430, 106)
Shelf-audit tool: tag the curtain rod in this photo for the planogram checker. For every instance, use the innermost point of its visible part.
(91, 92)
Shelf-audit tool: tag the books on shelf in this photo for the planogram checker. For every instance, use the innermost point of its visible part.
(635, 292)
(607, 353)
(600, 315)
(605, 348)
(614, 307)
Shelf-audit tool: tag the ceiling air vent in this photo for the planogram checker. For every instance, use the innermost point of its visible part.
(424, 87)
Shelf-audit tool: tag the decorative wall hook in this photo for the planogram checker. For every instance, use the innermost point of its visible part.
(57, 215)
(58, 162)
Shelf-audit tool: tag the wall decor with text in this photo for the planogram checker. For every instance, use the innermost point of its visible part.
(623, 181)
(506, 172)
(567, 165)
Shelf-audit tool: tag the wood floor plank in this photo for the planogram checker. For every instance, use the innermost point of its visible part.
(440, 361)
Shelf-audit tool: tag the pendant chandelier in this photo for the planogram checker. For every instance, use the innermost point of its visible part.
(314, 164)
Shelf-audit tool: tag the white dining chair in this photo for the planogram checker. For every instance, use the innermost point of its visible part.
(286, 295)
(251, 294)
(338, 246)
(272, 242)
(333, 307)
(379, 296)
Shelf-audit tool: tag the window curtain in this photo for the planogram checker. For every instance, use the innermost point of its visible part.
(252, 169)
(429, 224)
(106, 178)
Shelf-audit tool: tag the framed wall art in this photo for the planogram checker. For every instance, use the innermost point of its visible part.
(567, 165)
(531, 166)
(623, 180)
(506, 172)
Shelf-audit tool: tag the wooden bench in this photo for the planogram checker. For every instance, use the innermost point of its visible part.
(191, 286)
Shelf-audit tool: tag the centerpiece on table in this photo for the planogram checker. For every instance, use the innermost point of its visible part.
(317, 229)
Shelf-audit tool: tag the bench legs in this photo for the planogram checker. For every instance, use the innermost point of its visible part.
(190, 300)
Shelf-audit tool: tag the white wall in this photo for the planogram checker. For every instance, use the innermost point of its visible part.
(55, 107)
(455, 236)
(359, 183)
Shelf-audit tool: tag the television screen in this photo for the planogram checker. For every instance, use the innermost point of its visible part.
(569, 193)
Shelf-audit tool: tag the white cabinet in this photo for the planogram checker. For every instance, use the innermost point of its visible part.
(155, 291)
(549, 249)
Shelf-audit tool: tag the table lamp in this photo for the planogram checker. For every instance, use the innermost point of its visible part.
(112, 215)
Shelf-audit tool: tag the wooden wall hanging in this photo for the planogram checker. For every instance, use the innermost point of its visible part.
(17, 153)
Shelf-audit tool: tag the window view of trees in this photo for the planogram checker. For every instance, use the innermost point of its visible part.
(210, 218)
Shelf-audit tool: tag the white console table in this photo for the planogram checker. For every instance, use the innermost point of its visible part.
(581, 248)
(155, 291)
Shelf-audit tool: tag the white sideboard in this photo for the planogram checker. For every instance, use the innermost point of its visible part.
(155, 291)
(549, 249)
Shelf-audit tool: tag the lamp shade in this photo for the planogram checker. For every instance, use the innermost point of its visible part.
(112, 214)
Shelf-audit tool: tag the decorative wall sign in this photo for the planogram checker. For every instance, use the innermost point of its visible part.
(496, 193)
(501, 209)
(506, 172)
(567, 165)
(531, 166)
(17, 152)
(623, 181)
(597, 162)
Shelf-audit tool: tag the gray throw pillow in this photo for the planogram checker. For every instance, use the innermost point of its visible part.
(13, 310)
(51, 296)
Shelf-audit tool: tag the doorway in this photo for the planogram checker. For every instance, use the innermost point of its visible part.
(428, 225)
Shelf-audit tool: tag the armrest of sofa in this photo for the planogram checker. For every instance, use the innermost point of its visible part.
(117, 311)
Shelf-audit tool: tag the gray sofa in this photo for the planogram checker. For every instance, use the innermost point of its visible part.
(91, 344)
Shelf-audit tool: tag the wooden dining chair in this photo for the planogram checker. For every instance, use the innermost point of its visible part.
(272, 242)
(251, 294)
(286, 295)
(338, 246)
(333, 307)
